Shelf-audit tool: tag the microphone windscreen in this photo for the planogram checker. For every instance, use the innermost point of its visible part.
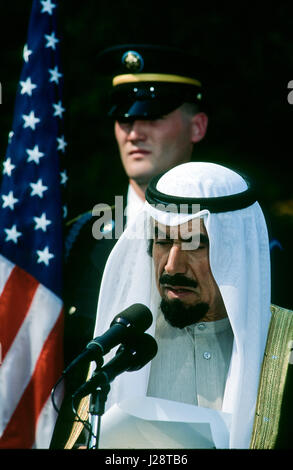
(137, 315)
(145, 349)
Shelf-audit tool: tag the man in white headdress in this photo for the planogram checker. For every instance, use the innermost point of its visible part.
(206, 279)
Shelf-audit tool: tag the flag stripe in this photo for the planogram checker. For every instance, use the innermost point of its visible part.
(15, 373)
(5, 269)
(43, 379)
(47, 419)
(16, 299)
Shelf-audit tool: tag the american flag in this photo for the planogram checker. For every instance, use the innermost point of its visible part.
(31, 247)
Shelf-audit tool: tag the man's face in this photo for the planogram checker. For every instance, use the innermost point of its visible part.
(150, 147)
(184, 279)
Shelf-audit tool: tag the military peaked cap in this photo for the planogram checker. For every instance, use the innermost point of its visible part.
(151, 81)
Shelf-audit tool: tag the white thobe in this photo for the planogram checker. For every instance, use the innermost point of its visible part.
(191, 365)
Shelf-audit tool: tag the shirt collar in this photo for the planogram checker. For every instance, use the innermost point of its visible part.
(209, 327)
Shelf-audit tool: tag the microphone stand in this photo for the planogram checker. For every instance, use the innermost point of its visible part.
(97, 409)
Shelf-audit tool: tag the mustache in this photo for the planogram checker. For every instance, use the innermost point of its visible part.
(177, 280)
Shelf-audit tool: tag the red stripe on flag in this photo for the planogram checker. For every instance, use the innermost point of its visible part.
(15, 302)
(20, 431)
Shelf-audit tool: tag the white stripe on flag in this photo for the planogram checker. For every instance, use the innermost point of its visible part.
(5, 269)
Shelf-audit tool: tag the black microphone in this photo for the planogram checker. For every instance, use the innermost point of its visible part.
(134, 319)
(128, 358)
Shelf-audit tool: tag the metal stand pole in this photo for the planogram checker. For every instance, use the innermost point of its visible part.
(97, 409)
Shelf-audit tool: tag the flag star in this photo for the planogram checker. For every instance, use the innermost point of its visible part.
(47, 6)
(55, 75)
(34, 154)
(58, 109)
(52, 40)
(42, 222)
(38, 188)
(9, 200)
(64, 177)
(26, 53)
(8, 167)
(12, 234)
(61, 143)
(44, 256)
(27, 87)
(30, 120)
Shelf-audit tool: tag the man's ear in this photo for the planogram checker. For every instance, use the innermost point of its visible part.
(199, 127)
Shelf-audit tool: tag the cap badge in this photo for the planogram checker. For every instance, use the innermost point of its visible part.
(133, 61)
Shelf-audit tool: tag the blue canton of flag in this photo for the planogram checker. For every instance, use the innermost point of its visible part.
(30, 203)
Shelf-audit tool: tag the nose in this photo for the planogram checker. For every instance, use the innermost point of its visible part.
(176, 262)
(137, 131)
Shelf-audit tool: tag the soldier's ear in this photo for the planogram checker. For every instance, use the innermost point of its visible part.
(199, 127)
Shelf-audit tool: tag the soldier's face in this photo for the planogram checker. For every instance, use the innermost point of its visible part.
(150, 147)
